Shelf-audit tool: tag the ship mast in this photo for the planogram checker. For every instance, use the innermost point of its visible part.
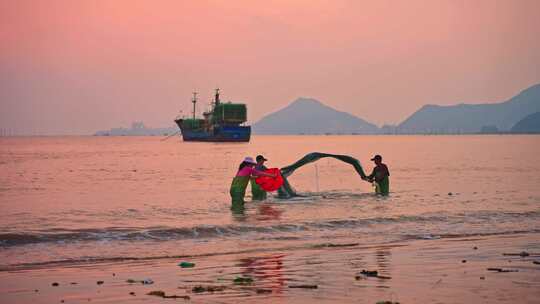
(194, 100)
(217, 97)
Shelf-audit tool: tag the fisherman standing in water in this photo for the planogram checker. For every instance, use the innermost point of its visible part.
(257, 193)
(380, 176)
(246, 171)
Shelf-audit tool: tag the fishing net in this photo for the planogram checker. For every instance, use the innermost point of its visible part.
(269, 183)
(287, 191)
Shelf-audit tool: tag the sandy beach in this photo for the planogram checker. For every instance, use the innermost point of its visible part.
(452, 270)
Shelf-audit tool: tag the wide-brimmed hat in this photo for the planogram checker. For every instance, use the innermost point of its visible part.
(249, 160)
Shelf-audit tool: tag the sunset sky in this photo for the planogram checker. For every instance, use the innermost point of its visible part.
(75, 67)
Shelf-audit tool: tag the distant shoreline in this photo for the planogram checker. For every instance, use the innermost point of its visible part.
(385, 134)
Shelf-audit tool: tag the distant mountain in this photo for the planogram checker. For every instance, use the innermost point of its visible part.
(529, 124)
(473, 118)
(309, 116)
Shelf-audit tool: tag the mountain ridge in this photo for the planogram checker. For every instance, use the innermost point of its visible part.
(529, 124)
(472, 118)
(307, 115)
(310, 116)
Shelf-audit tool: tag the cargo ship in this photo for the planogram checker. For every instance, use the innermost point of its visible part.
(223, 123)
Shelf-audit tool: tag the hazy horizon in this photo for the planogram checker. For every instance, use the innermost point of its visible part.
(71, 67)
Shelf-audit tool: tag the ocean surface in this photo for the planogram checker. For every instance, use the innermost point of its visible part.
(79, 200)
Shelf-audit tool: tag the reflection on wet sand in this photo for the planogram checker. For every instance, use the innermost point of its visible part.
(376, 273)
(263, 212)
(382, 258)
(266, 212)
(267, 271)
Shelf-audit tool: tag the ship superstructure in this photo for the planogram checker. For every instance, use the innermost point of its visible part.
(223, 123)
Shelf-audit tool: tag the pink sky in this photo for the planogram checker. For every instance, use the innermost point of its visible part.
(74, 67)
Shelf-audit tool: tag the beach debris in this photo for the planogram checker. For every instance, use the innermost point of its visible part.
(55, 284)
(157, 293)
(475, 248)
(100, 282)
(463, 261)
(304, 286)
(144, 282)
(186, 264)
(386, 302)
(215, 288)
(132, 293)
(372, 274)
(177, 297)
(113, 274)
(36, 290)
(430, 237)
(198, 289)
(331, 245)
(210, 288)
(450, 193)
(502, 270)
(521, 254)
(383, 277)
(62, 301)
(73, 283)
(536, 262)
(160, 293)
(369, 273)
(482, 278)
(262, 290)
(243, 280)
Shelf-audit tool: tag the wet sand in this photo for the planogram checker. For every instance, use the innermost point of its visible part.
(449, 270)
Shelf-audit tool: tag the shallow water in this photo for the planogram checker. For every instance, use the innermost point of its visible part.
(73, 200)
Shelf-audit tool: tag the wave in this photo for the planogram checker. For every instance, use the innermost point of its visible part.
(303, 246)
(216, 231)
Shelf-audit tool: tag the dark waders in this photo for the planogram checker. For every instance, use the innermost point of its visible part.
(257, 192)
(383, 187)
(238, 192)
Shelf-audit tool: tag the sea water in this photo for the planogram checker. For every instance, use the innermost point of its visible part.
(73, 200)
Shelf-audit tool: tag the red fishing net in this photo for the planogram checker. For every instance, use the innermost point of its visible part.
(269, 183)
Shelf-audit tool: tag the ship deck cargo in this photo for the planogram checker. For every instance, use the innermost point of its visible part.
(223, 123)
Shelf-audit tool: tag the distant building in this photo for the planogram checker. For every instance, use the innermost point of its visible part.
(491, 129)
(137, 129)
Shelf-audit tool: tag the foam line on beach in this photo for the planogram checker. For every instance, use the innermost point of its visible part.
(135, 234)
